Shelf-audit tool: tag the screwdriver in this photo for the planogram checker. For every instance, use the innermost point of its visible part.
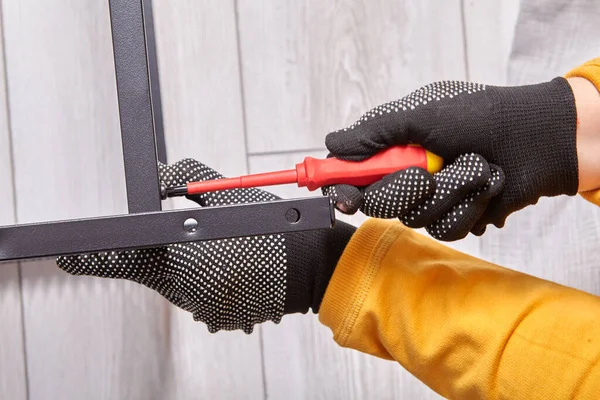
(314, 173)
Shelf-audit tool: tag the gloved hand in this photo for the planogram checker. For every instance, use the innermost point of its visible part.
(522, 140)
(228, 284)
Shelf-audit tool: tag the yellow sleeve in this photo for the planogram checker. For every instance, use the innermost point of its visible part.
(467, 328)
(590, 71)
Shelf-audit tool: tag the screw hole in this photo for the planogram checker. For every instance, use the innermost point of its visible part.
(292, 215)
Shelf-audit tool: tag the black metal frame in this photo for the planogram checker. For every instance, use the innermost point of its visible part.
(143, 145)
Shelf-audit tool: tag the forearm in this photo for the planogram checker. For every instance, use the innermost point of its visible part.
(587, 100)
(465, 327)
(585, 81)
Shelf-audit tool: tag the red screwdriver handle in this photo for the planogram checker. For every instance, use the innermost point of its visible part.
(315, 173)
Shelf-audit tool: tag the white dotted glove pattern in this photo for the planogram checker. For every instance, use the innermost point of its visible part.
(391, 197)
(447, 204)
(228, 284)
(463, 190)
(432, 92)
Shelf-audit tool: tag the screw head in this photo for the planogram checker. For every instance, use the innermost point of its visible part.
(190, 225)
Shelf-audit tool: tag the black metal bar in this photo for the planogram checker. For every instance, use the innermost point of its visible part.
(146, 225)
(141, 230)
(159, 130)
(135, 106)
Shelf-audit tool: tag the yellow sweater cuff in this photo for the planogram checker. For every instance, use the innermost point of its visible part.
(590, 70)
(354, 274)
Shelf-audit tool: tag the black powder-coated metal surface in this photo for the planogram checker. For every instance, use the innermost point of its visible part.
(141, 230)
(159, 130)
(135, 106)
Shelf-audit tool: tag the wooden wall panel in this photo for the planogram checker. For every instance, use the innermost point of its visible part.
(13, 382)
(85, 337)
(315, 66)
(489, 32)
(200, 82)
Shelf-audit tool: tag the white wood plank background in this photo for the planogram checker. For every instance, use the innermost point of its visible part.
(13, 381)
(489, 32)
(311, 67)
(247, 86)
(84, 337)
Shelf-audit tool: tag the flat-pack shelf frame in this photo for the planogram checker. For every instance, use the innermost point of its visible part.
(143, 141)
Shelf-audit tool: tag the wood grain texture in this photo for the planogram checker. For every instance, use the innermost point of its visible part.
(551, 37)
(202, 104)
(200, 82)
(489, 31)
(85, 337)
(315, 66)
(64, 111)
(301, 359)
(557, 239)
(13, 382)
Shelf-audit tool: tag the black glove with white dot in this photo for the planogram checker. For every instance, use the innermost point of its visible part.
(393, 196)
(463, 192)
(228, 284)
(504, 148)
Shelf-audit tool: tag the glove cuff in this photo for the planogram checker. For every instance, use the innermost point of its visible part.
(312, 258)
(542, 143)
